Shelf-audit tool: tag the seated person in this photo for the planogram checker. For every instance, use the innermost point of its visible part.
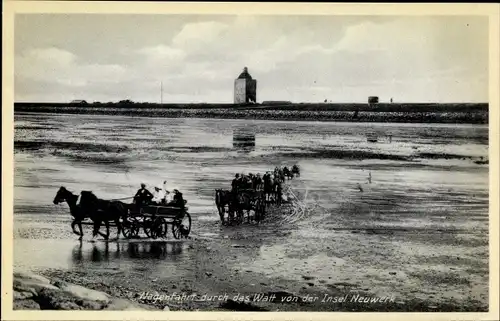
(168, 192)
(158, 196)
(178, 200)
(235, 184)
(143, 196)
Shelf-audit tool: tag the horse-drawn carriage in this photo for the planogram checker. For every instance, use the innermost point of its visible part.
(129, 219)
(232, 205)
(251, 193)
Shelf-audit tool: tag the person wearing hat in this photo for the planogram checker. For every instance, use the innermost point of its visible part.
(143, 196)
(258, 182)
(235, 186)
(178, 200)
(235, 183)
(249, 181)
(168, 191)
(158, 195)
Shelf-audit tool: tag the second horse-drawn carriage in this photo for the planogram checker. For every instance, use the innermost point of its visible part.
(232, 205)
(251, 193)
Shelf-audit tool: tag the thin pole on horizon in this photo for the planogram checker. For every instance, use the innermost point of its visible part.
(161, 92)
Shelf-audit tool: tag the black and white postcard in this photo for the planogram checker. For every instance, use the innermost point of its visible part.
(171, 159)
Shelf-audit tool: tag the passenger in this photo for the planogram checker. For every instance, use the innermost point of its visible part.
(143, 196)
(250, 181)
(178, 200)
(254, 182)
(258, 181)
(235, 184)
(267, 185)
(168, 192)
(286, 172)
(158, 195)
(242, 181)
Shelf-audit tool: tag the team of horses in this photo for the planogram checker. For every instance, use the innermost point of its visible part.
(252, 194)
(90, 206)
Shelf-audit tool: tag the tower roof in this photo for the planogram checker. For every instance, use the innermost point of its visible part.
(245, 74)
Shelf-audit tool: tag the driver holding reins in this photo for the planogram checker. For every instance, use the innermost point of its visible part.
(143, 196)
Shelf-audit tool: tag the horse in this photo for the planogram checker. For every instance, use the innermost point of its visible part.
(278, 192)
(268, 187)
(257, 203)
(250, 200)
(103, 211)
(63, 195)
(223, 198)
(244, 202)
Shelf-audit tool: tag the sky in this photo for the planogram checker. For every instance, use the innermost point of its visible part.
(111, 57)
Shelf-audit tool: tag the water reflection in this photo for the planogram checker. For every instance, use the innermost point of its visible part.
(104, 252)
(244, 139)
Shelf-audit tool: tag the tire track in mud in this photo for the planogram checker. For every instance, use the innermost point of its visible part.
(304, 206)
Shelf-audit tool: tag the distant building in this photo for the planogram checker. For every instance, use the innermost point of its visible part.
(78, 102)
(373, 100)
(245, 88)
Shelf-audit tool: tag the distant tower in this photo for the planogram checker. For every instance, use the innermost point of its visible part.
(245, 88)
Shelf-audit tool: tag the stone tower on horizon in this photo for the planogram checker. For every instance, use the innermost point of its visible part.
(245, 88)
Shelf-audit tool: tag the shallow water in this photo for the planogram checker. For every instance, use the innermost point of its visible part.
(425, 190)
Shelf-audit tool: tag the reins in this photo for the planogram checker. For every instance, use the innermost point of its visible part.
(122, 199)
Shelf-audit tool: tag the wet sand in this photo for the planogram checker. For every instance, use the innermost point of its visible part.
(416, 234)
(230, 266)
(282, 256)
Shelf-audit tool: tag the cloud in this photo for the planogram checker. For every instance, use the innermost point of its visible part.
(300, 58)
(61, 67)
(51, 56)
(162, 52)
(197, 35)
(395, 35)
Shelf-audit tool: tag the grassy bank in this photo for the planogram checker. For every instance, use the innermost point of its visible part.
(411, 113)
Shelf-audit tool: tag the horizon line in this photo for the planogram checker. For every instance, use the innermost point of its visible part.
(232, 103)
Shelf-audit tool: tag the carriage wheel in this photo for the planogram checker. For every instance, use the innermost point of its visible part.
(151, 227)
(160, 227)
(130, 227)
(147, 222)
(185, 222)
